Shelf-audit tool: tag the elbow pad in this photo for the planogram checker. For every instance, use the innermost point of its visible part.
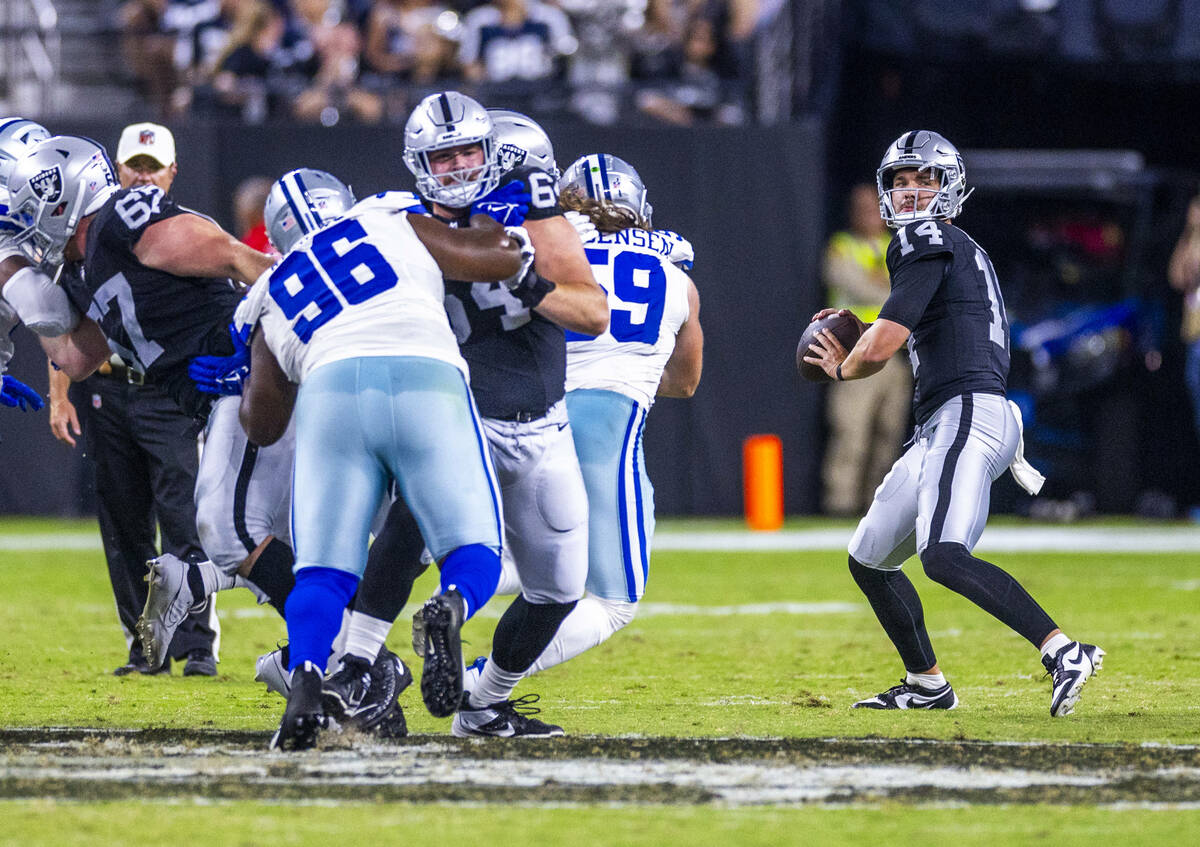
(39, 303)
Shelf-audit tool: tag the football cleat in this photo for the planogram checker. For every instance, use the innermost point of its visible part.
(168, 602)
(1069, 669)
(200, 662)
(906, 696)
(271, 669)
(442, 676)
(364, 695)
(418, 633)
(508, 719)
(137, 664)
(303, 719)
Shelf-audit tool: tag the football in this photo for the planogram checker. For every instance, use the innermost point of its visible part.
(844, 328)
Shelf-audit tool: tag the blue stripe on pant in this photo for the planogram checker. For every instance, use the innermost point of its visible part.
(607, 427)
(362, 422)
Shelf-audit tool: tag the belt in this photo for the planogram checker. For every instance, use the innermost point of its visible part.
(522, 417)
(121, 373)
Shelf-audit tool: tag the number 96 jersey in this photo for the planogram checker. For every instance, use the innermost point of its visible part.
(648, 303)
(362, 287)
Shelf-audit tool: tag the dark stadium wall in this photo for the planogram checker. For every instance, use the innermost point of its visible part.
(750, 200)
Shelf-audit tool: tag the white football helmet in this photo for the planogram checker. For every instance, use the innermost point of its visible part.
(17, 137)
(303, 201)
(56, 184)
(608, 179)
(521, 141)
(925, 151)
(440, 121)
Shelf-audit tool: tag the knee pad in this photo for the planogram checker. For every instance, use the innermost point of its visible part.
(620, 612)
(941, 560)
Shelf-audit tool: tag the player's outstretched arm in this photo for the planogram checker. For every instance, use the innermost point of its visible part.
(79, 352)
(267, 396)
(482, 252)
(577, 303)
(191, 245)
(681, 375)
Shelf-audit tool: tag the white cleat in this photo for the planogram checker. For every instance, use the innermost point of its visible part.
(1069, 669)
(168, 602)
(271, 670)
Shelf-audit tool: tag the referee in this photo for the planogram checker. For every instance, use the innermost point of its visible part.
(145, 455)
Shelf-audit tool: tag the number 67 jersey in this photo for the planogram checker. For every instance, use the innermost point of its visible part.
(648, 303)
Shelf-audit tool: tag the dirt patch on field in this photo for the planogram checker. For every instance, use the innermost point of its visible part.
(185, 765)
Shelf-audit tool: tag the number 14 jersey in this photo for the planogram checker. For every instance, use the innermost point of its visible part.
(648, 303)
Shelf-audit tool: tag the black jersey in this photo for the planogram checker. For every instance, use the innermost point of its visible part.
(944, 290)
(154, 320)
(518, 359)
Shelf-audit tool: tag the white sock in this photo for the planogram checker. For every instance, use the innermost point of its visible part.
(494, 685)
(1055, 643)
(338, 648)
(926, 680)
(366, 635)
(214, 578)
(510, 583)
(593, 621)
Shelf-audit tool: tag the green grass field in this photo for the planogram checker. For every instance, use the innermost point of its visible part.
(701, 661)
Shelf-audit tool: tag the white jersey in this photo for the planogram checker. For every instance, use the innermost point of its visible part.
(648, 303)
(9, 227)
(364, 286)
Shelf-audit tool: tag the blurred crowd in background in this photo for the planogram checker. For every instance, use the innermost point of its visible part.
(676, 61)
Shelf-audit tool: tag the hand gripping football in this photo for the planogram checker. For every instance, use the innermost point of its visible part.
(844, 328)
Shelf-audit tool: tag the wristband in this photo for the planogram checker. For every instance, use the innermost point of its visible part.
(840, 378)
(532, 290)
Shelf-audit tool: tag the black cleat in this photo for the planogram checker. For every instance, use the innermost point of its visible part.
(905, 696)
(365, 695)
(200, 662)
(509, 719)
(137, 664)
(442, 676)
(303, 719)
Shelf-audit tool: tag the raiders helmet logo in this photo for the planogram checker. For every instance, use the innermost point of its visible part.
(47, 185)
(510, 156)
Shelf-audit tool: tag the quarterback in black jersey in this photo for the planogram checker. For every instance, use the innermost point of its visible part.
(946, 305)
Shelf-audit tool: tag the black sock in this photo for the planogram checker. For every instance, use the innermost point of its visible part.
(524, 631)
(393, 565)
(896, 604)
(272, 572)
(989, 588)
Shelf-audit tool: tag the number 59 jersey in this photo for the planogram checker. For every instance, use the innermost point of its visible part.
(648, 303)
(364, 286)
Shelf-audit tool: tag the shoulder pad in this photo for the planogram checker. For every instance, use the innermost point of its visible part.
(919, 240)
(394, 201)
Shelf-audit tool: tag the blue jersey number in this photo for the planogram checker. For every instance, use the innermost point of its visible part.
(358, 270)
(638, 280)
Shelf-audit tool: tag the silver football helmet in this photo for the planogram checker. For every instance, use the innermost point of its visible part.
(56, 184)
(608, 179)
(445, 120)
(520, 141)
(303, 201)
(925, 151)
(17, 137)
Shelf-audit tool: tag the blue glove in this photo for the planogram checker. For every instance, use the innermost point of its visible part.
(14, 393)
(224, 375)
(508, 204)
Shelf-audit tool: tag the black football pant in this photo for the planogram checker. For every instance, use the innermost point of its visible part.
(144, 454)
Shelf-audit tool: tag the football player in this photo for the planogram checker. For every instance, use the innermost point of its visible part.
(946, 305)
(158, 279)
(653, 347)
(354, 315)
(513, 341)
(29, 296)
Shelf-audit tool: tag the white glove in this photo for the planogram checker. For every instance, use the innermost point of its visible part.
(39, 303)
(1026, 475)
(583, 225)
(520, 235)
(251, 307)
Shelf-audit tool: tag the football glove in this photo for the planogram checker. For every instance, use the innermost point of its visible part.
(15, 393)
(682, 255)
(224, 375)
(507, 205)
(583, 225)
(525, 284)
